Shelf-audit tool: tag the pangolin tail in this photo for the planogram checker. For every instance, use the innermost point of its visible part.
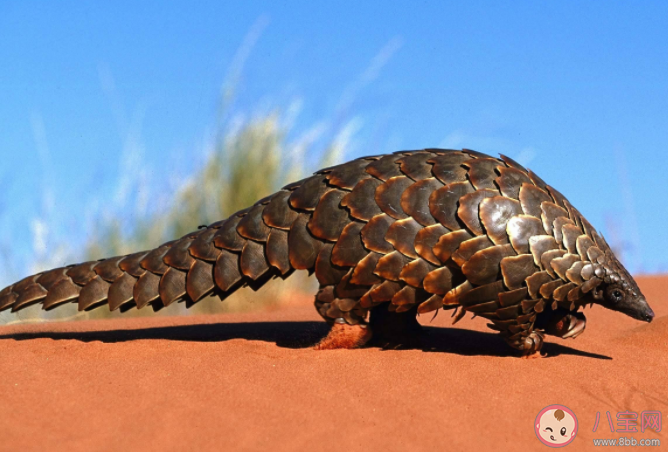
(269, 239)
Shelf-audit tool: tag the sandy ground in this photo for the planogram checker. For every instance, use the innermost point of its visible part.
(252, 382)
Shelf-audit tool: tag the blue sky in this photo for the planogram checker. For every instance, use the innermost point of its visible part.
(576, 90)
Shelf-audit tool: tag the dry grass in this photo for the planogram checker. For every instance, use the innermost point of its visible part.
(247, 158)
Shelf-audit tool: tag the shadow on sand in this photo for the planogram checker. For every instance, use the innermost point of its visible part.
(303, 335)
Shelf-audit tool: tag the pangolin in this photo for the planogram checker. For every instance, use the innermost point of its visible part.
(388, 237)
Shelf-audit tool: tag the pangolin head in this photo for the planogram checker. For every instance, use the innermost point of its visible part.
(614, 289)
(619, 291)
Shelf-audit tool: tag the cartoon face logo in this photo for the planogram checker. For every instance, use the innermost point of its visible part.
(556, 426)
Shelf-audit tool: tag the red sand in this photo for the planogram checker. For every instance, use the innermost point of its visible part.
(250, 382)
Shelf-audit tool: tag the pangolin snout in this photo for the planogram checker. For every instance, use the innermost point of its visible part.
(644, 312)
(649, 315)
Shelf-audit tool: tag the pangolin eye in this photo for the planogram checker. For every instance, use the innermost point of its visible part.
(617, 295)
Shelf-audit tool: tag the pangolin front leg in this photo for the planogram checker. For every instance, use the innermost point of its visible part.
(531, 345)
(562, 323)
(529, 338)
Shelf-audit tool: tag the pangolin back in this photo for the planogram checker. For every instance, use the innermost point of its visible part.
(412, 230)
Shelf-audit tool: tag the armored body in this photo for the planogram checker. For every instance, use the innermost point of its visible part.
(388, 237)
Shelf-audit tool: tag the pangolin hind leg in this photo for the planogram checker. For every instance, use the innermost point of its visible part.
(386, 328)
(392, 329)
(347, 319)
(344, 335)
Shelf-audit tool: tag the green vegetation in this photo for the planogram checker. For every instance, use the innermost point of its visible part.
(247, 164)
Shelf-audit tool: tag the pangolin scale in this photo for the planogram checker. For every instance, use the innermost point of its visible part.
(388, 237)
